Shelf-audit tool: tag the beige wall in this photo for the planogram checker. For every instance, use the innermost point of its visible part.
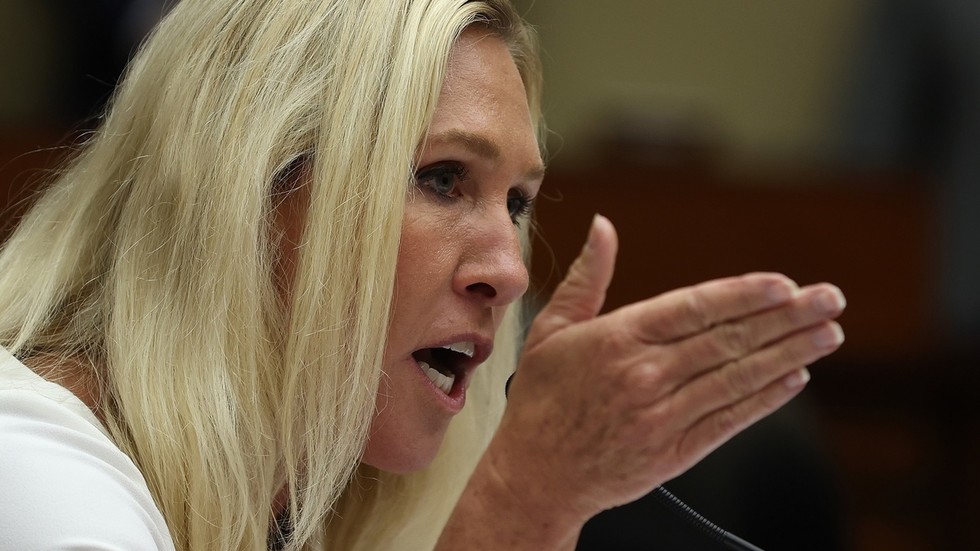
(762, 77)
(759, 77)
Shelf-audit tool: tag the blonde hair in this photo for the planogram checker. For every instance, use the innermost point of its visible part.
(151, 256)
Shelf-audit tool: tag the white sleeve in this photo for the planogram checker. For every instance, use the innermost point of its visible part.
(65, 485)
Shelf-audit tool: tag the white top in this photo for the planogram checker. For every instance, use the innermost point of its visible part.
(63, 483)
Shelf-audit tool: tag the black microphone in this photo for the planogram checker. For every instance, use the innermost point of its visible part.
(689, 515)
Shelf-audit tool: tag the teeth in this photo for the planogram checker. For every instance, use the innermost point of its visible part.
(444, 382)
(465, 347)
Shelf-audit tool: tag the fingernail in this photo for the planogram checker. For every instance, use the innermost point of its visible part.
(590, 241)
(829, 337)
(830, 301)
(798, 378)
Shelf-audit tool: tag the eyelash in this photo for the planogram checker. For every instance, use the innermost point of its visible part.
(519, 203)
(523, 207)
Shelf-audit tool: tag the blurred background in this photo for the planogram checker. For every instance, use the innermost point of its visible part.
(836, 140)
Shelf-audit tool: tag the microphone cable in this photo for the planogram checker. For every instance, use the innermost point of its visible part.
(703, 525)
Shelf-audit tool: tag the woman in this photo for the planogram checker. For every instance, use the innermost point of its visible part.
(246, 314)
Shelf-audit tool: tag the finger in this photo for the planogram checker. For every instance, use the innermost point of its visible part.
(691, 310)
(734, 339)
(738, 380)
(714, 429)
(580, 296)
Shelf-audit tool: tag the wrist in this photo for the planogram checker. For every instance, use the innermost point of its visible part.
(501, 511)
(538, 502)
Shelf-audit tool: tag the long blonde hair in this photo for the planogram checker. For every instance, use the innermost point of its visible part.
(150, 258)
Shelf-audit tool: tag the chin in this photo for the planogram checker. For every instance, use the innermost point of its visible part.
(401, 458)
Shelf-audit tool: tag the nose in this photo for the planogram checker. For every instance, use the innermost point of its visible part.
(492, 269)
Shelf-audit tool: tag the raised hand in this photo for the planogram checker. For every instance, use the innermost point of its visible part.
(605, 408)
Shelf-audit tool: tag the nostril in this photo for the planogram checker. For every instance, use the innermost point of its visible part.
(484, 289)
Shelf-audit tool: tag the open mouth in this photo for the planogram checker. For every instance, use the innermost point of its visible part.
(445, 364)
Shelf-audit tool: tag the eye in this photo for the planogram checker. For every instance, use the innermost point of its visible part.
(442, 178)
(519, 205)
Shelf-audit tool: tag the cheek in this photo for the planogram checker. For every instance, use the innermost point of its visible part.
(404, 437)
(418, 281)
(426, 255)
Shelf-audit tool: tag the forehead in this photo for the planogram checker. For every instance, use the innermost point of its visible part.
(483, 93)
(482, 74)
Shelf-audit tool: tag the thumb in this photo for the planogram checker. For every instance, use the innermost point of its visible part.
(580, 296)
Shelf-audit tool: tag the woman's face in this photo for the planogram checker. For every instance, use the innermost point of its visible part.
(459, 263)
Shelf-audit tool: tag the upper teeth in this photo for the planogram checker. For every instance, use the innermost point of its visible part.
(464, 347)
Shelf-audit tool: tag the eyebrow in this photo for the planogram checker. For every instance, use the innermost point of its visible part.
(480, 145)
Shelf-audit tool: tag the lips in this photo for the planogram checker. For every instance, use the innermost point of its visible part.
(448, 365)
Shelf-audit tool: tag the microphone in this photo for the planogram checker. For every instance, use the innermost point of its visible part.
(689, 515)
